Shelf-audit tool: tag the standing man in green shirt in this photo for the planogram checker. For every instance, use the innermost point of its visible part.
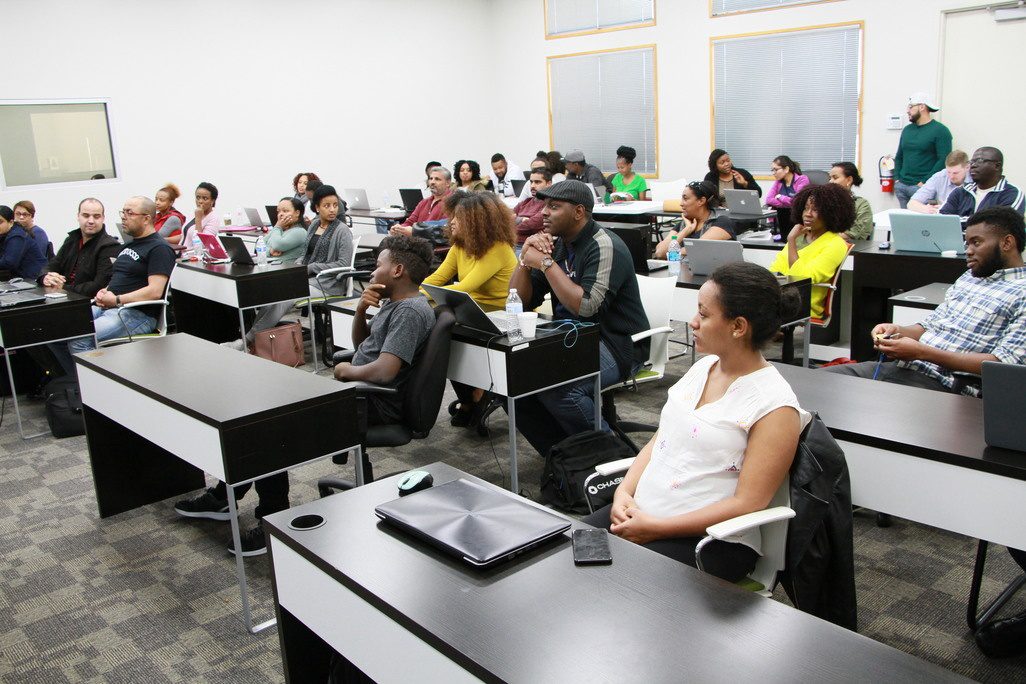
(923, 146)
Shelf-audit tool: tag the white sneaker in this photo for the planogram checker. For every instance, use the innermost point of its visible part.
(237, 345)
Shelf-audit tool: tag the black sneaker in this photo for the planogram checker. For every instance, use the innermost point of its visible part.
(252, 540)
(206, 505)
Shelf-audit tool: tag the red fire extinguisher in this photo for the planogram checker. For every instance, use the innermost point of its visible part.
(886, 168)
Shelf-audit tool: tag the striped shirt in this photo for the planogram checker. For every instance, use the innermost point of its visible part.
(981, 315)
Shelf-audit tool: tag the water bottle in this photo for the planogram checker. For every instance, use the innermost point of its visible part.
(197, 247)
(261, 251)
(673, 255)
(514, 307)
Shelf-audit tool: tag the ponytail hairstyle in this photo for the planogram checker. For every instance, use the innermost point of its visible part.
(851, 171)
(792, 165)
(174, 193)
(749, 291)
(299, 207)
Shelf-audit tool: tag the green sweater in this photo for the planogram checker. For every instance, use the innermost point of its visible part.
(291, 243)
(921, 151)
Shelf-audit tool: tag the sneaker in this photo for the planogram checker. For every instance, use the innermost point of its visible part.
(252, 540)
(237, 345)
(206, 505)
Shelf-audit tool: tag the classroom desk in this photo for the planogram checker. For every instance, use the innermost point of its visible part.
(54, 320)
(910, 307)
(209, 298)
(514, 371)
(373, 215)
(160, 413)
(878, 274)
(399, 607)
(627, 212)
(919, 454)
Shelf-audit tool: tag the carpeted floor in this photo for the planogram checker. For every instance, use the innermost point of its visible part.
(149, 597)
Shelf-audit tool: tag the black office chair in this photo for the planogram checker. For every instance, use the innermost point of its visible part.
(817, 177)
(423, 398)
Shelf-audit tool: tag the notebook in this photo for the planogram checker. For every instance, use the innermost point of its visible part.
(237, 250)
(468, 313)
(213, 247)
(1004, 391)
(934, 233)
(476, 524)
(356, 198)
(705, 256)
(411, 197)
(20, 299)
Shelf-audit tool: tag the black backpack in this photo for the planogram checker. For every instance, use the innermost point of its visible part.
(569, 464)
(64, 407)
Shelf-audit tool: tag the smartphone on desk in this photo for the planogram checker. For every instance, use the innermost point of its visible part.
(591, 547)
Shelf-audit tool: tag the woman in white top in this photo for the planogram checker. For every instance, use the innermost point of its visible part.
(727, 434)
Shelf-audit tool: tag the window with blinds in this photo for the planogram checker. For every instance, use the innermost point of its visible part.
(795, 93)
(718, 8)
(572, 17)
(602, 100)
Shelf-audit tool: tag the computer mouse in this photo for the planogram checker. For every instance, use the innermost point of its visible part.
(884, 245)
(414, 481)
(14, 281)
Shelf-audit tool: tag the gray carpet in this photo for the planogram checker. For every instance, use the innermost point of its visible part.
(148, 597)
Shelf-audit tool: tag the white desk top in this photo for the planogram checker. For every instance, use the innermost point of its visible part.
(628, 208)
(882, 219)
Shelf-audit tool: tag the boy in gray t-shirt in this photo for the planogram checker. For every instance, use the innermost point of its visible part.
(388, 344)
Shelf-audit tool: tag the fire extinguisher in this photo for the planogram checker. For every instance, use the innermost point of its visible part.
(886, 168)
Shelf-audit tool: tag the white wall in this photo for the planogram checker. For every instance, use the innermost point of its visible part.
(245, 93)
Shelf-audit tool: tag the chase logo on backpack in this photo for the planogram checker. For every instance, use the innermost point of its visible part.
(597, 487)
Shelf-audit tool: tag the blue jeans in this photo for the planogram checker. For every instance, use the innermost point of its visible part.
(551, 416)
(109, 323)
(904, 192)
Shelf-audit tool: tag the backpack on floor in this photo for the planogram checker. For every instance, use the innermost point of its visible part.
(64, 407)
(571, 461)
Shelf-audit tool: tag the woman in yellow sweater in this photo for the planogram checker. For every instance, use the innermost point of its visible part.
(826, 211)
(480, 263)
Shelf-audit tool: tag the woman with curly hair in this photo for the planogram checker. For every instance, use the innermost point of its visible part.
(468, 176)
(299, 183)
(480, 263)
(826, 211)
(169, 221)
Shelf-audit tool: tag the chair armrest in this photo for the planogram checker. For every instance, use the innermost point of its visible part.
(343, 355)
(614, 466)
(749, 521)
(645, 334)
(148, 302)
(829, 286)
(370, 388)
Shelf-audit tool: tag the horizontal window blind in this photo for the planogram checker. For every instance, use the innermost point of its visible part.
(794, 93)
(721, 7)
(603, 100)
(573, 16)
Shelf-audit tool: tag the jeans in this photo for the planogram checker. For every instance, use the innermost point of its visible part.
(904, 192)
(549, 417)
(889, 371)
(109, 323)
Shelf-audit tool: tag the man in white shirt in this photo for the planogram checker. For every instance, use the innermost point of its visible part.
(932, 194)
(502, 175)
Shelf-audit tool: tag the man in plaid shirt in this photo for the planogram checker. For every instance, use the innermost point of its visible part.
(983, 317)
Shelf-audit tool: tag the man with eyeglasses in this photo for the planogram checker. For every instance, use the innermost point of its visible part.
(988, 187)
(140, 274)
(923, 146)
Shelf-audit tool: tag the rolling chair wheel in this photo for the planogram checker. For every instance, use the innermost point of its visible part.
(454, 406)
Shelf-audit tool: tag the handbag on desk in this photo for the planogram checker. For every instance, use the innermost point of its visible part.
(283, 344)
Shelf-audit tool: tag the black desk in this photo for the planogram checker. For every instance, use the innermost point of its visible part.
(54, 320)
(210, 299)
(160, 413)
(394, 607)
(878, 274)
(920, 454)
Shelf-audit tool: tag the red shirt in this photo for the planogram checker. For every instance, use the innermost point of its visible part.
(530, 210)
(429, 209)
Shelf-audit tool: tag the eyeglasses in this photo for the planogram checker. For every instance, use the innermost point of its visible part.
(128, 212)
(21, 214)
(982, 160)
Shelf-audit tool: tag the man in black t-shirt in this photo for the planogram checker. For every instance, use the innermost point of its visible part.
(140, 274)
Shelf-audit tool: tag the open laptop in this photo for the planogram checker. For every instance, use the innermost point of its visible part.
(634, 239)
(272, 213)
(212, 246)
(1004, 391)
(934, 233)
(468, 313)
(705, 256)
(237, 250)
(9, 299)
(411, 197)
(742, 203)
(253, 217)
(518, 186)
(125, 237)
(474, 523)
(356, 198)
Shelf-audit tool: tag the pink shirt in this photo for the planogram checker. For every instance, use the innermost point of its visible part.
(211, 222)
(797, 183)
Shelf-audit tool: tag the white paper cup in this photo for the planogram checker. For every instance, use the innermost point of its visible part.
(949, 253)
(528, 321)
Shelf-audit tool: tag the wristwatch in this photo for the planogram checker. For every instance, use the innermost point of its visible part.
(117, 300)
(546, 262)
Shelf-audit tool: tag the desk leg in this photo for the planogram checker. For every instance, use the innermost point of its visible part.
(242, 327)
(130, 471)
(240, 567)
(14, 398)
(514, 479)
(598, 401)
(360, 475)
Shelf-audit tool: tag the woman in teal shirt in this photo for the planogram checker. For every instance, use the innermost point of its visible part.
(626, 180)
(285, 241)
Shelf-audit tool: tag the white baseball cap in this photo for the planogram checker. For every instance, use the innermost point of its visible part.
(923, 99)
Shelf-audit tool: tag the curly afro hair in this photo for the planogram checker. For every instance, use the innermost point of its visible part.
(835, 205)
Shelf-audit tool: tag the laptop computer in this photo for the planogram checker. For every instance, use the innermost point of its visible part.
(212, 246)
(468, 313)
(1004, 391)
(16, 284)
(9, 299)
(634, 240)
(518, 186)
(476, 524)
(741, 203)
(411, 197)
(705, 256)
(356, 198)
(272, 213)
(237, 250)
(125, 237)
(934, 233)
(253, 217)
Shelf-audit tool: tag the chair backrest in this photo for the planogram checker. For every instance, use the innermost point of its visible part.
(817, 177)
(828, 303)
(426, 384)
(656, 297)
(774, 541)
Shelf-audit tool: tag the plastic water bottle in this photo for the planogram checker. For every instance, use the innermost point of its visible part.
(673, 255)
(514, 307)
(197, 247)
(261, 251)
